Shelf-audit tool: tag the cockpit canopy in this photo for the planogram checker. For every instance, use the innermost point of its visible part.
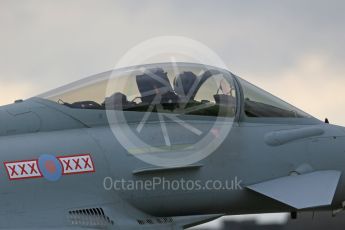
(190, 89)
(184, 89)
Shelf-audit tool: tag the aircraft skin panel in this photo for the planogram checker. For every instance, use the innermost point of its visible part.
(310, 190)
(282, 137)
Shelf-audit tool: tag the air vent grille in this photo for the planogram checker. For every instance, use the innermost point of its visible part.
(90, 217)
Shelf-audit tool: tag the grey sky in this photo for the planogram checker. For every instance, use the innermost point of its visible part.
(279, 45)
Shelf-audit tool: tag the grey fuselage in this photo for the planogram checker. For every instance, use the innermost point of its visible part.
(36, 126)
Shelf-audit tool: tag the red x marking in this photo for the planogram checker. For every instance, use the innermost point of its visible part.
(13, 170)
(77, 163)
(87, 163)
(68, 164)
(22, 169)
(32, 168)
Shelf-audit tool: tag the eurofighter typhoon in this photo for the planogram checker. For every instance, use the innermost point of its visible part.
(162, 146)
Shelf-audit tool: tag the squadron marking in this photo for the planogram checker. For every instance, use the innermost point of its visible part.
(77, 164)
(50, 167)
(22, 169)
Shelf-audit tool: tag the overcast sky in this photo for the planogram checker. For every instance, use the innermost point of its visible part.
(294, 49)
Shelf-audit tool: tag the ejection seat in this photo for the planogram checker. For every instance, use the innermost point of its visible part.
(117, 101)
(154, 87)
(185, 85)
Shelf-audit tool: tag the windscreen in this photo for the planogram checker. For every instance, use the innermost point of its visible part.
(259, 103)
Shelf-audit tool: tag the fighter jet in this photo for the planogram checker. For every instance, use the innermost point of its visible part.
(163, 146)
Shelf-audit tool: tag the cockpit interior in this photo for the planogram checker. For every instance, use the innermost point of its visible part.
(189, 89)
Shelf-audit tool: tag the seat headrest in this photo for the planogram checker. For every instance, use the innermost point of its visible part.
(151, 82)
(183, 84)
